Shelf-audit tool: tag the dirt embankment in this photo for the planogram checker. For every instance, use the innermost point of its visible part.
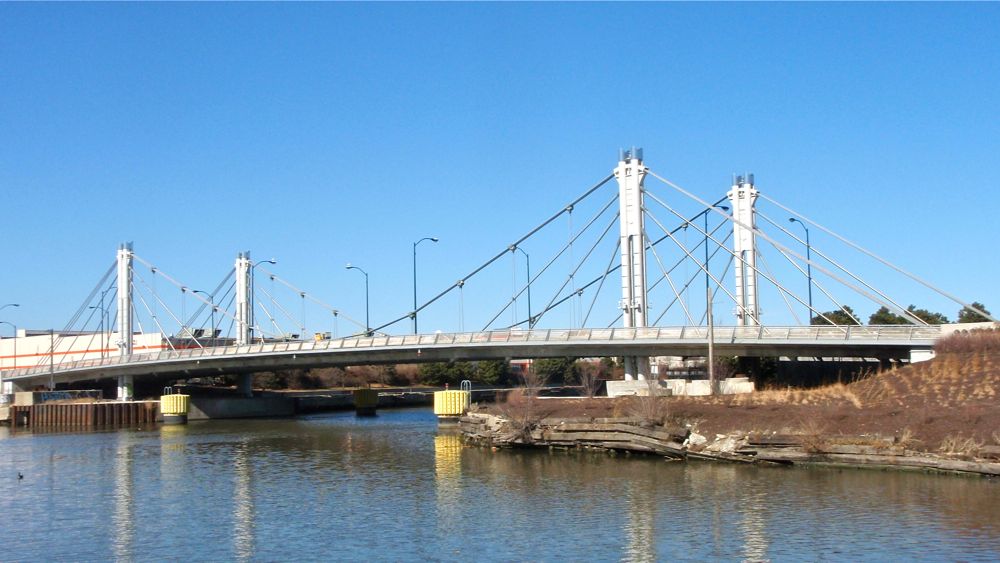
(949, 406)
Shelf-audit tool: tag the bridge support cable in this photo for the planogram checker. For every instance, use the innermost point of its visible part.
(670, 282)
(211, 303)
(277, 306)
(499, 255)
(737, 257)
(781, 290)
(888, 302)
(156, 321)
(882, 260)
(600, 286)
(683, 259)
(687, 284)
(166, 308)
(224, 310)
(560, 253)
(777, 244)
(311, 297)
(715, 291)
(688, 253)
(836, 302)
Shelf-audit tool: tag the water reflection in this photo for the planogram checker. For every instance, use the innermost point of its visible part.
(243, 506)
(396, 488)
(640, 526)
(123, 518)
(447, 480)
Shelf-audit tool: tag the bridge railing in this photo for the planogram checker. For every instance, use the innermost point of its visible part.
(723, 334)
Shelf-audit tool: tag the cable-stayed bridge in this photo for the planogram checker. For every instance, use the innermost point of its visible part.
(682, 276)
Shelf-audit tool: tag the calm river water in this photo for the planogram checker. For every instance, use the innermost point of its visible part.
(335, 487)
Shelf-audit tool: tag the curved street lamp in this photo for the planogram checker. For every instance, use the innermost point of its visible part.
(432, 239)
(211, 303)
(527, 264)
(253, 299)
(368, 324)
(809, 272)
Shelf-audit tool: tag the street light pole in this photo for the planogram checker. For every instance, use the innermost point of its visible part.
(527, 265)
(253, 299)
(809, 274)
(432, 239)
(368, 324)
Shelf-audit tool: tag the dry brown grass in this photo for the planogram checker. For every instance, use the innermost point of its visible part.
(813, 435)
(975, 341)
(962, 446)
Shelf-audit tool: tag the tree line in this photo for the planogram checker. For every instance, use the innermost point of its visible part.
(883, 316)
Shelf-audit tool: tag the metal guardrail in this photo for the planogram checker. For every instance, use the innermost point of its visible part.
(732, 334)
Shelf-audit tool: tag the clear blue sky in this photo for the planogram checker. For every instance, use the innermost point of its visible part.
(321, 134)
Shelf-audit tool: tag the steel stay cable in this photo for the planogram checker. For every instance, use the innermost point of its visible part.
(880, 259)
(179, 285)
(818, 285)
(681, 246)
(892, 304)
(577, 268)
(156, 298)
(89, 299)
(607, 271)
(725, 272)
(281, 308)
(310, 297)
(499, 255)
(156, 321)
(693, 277)
(670, 282)
(781, 290)
(772, 241)
(560, 253)
(744, 262)
(199, 310)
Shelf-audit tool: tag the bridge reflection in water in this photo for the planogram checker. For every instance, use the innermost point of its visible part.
(393, 487)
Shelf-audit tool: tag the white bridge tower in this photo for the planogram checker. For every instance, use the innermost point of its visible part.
(243, 302)
(630, 174)
(125, 383)
(743, 197)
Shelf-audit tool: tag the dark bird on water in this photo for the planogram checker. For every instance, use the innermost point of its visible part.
(19, 476)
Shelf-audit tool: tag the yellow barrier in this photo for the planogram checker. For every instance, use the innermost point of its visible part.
(174, 408)
(451, 403)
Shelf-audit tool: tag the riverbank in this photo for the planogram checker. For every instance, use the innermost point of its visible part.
(943, 415)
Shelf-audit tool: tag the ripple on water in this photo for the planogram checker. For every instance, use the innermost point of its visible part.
(393, 487)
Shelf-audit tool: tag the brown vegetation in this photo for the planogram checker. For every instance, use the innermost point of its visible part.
(949, 405)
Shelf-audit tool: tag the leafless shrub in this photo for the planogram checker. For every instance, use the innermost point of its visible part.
(650, 407)
(996, 438)
(813, 436)
(523, 412)
(957, 445)
(905, 438)
(532, 381)
(590, 378)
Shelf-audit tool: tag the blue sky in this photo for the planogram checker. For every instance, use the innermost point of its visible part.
(321, 134)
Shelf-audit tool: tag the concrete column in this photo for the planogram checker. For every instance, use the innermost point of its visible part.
(126, 388)
(244, 384)
(125, 384)
(630, 174)
(742, 197)
(244, 318)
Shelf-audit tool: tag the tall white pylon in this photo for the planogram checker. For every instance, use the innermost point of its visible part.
(630, 174)
(243, 312)
(743, 197)
(125, 383)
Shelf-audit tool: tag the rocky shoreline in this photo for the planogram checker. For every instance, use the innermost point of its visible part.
(681, 444)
